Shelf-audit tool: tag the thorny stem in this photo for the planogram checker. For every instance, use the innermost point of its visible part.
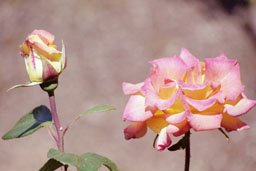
(187, 152)
(60, 138)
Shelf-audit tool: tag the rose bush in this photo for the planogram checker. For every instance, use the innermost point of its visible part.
(182, 93)
(43, 60)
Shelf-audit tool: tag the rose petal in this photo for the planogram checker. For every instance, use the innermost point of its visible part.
(176, 118)
(227, 73)
(204, 122)
(195, 91)
(157, 124)
(178, 107)
(172, 129)
(215, 85)
(25, 50)
(167, 68)
(168, 90)
(49, 70)
(222, 57)
(192, 87)
(34, 68)
(231, 123)
(44, 35)
(135, 109)
(49, 52)
(188, 58)
(135, 130)
(213, 110)
(201, 105)
(164, 140)
(63, 57)
(194, 69)
(219, 96)
(217, 68)
(130, 89)
(153, 100)
(183, 126)
(242, 107)
(231, 84)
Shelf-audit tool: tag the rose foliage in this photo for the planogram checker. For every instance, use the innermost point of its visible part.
(183, 93)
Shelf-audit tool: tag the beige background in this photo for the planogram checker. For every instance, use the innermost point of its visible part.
(108, 42)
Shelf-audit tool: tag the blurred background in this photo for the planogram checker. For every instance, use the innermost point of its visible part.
(109, 42)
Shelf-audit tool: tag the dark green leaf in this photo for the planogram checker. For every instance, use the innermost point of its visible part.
(51, 165)
(100, 108)
(180, 145)
(29, 123)
(85, 162)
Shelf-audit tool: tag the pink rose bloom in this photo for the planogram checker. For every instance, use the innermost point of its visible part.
(182, 93)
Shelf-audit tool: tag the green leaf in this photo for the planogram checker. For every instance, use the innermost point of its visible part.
(100, 108)
(51, 165)
(98, 160)
(180, 145)
(85, 162)
(29, 123)
(64, 158)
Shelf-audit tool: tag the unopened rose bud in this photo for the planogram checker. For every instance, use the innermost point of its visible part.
(42, 58)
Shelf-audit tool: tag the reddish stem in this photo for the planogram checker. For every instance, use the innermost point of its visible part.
(60, 138)
(56, 121)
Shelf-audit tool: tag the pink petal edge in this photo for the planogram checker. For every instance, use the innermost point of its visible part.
(135, 130)
(242, 107)
(164, 140)
(204, 122)
(130, 89)
(153, 100)
(201, 105)
(135, 109)
(176, 118)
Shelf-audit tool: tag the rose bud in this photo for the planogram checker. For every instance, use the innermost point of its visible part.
(43, 60)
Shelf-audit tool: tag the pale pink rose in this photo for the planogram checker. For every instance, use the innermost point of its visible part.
(182, 93)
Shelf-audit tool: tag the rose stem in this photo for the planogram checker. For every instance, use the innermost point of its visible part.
(187, 152)
(60, 138)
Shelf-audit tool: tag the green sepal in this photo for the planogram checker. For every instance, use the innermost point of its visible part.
(99, 108)
(29, 123)
(225, 134)
(84, 162)
(50, 85)
(181, 144)
(29, 84)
